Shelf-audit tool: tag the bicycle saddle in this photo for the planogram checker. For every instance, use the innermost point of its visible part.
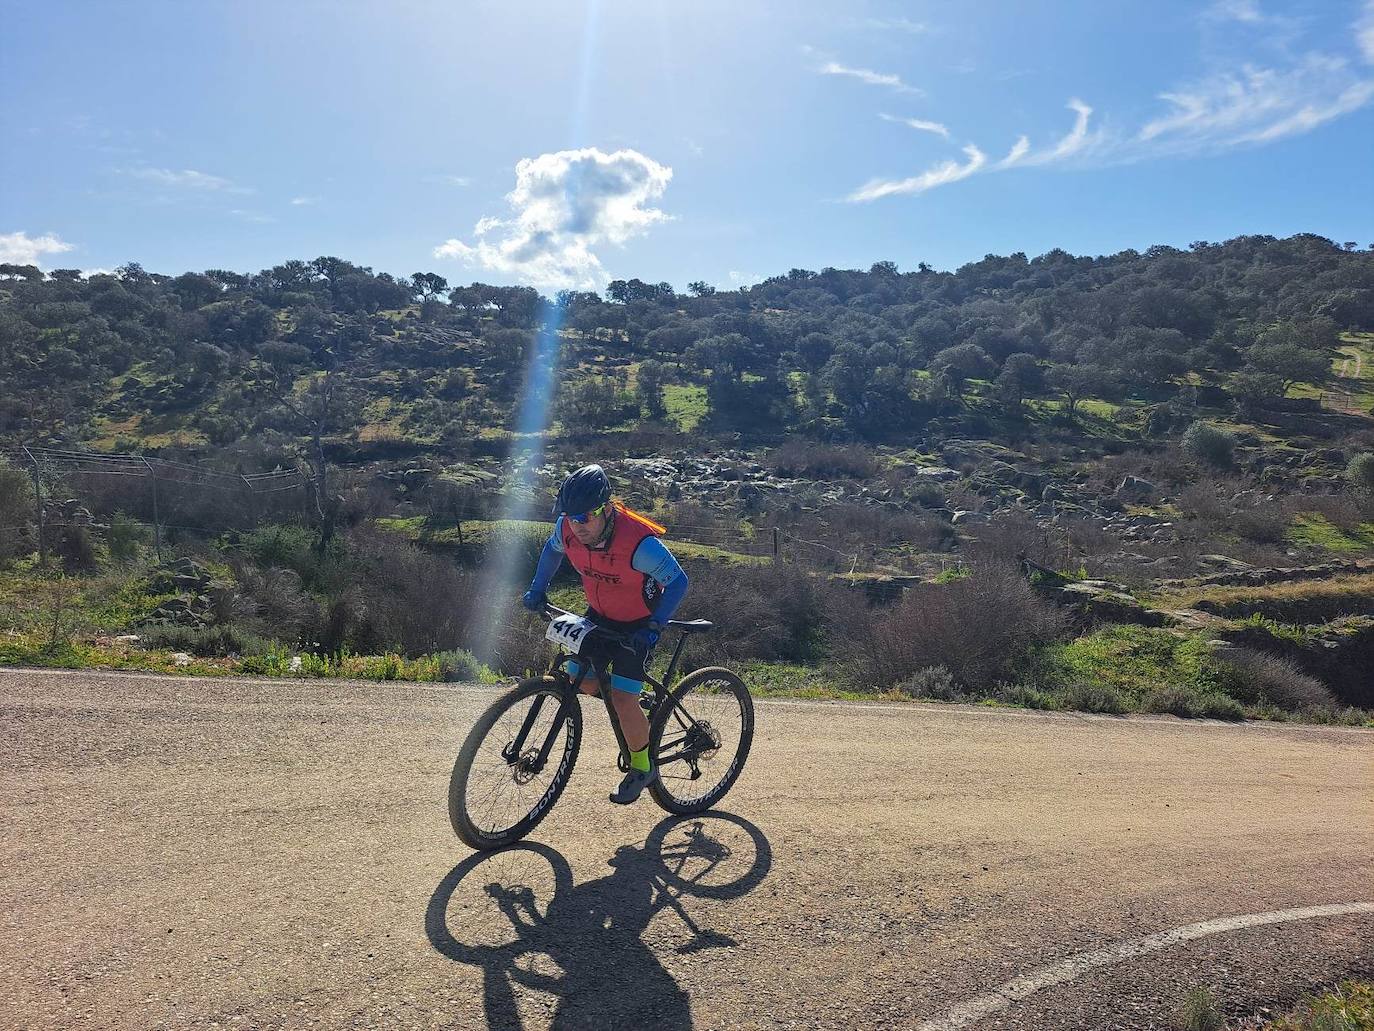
(692, 626)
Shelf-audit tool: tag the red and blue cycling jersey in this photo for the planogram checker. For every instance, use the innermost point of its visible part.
(631, 577)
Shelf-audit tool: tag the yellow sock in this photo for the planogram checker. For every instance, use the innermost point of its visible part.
(640, 760)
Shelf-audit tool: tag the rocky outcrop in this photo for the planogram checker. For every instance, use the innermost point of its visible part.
(1250, 577)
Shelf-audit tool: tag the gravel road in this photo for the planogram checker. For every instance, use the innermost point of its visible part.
(250, 854)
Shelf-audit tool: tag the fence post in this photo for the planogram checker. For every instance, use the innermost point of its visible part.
(775, 544)
(38, 507)
(157, 520)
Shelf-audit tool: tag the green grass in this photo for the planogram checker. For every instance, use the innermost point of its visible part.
(1347, 1007)
(1314, 530)
(686, 405)
(1134, 661)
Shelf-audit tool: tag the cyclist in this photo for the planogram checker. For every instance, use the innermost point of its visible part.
(633, 585)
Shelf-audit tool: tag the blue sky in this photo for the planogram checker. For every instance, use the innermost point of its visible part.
(566, 143)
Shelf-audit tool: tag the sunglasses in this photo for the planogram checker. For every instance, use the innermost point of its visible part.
(598, 510)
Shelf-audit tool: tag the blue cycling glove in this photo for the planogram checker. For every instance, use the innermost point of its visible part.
(644, 639)
(534, 600)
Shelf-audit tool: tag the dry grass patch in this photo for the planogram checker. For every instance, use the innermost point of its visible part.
(1302, 601)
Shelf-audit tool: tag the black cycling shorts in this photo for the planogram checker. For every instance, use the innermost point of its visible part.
(611, 657)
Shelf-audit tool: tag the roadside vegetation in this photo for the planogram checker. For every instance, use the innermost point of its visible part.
(1348, 1006)
(1000, 484)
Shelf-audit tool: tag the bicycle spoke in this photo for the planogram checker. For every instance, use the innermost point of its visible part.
(701, 741)
(500, 793)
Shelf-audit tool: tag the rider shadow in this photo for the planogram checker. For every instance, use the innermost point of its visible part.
(585, 947)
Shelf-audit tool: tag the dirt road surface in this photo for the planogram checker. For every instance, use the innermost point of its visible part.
(245, 854)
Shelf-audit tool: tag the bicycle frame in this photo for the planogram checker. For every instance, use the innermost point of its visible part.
(513, 751)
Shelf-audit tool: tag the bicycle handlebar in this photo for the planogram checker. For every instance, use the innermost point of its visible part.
(552, 611)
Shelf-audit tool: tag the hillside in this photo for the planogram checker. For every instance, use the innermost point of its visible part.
(1128, 428)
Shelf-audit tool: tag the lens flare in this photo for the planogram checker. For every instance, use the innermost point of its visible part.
(502, 568)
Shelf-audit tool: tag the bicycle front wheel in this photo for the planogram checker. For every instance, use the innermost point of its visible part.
(700, 740)
(514, 763)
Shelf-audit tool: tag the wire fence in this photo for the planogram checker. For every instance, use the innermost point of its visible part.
(50, 466)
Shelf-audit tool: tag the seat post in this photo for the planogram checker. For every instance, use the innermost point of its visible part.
(672, 664)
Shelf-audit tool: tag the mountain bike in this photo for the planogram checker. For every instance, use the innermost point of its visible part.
(520, 754)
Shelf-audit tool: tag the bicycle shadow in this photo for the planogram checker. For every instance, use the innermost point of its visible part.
(532, 928)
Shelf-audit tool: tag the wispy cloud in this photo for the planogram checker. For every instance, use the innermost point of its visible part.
(22, 249)
(1019, 149)
(1074, 141)
(915, 28)
(1249, 105)
(868, 76)
(1235, 10)
(186, 179)
(918, 124)
(1364, 31)
(1255, 105)
(939, 175)
(306, 201)
(256, 217)
(450, 180)
(565, 205)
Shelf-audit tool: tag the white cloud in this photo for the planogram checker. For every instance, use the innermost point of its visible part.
(449, 180)
(896, 24)
(1255, 105)
(22, 249)
(306, 200)
(187, 179)
(1248, 106)
(872, 78)
(919, 124)
(251, 216)
(938, 175)
(1019, 149)
(1364, 31)
(739, 279)
(1074, 141)
(565, 204)
(1235, 10)
(89, 272)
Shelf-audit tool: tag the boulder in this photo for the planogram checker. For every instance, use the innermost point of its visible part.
(1101, 599)
(1133, 488)
(937, 473)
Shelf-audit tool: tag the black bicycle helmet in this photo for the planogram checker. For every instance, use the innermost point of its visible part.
(583, 491)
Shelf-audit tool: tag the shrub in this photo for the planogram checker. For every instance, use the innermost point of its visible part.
(804, 458)
(932, 682)
(775, 612)
(16, 513)
(982, 628)
(1208, 444)
(75, 548)
(1260, 678)
(1086, 697)
(294, 548)
(126, 538)
(460, 665)
(1360, 473)
(403, 598)
(204, 641)
(1263, 524)
(281, 605)
(1190, 703)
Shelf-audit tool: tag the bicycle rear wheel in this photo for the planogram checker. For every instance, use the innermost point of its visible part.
(700, 740)
(514, 763)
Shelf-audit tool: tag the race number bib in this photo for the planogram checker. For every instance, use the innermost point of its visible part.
(569, 632)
